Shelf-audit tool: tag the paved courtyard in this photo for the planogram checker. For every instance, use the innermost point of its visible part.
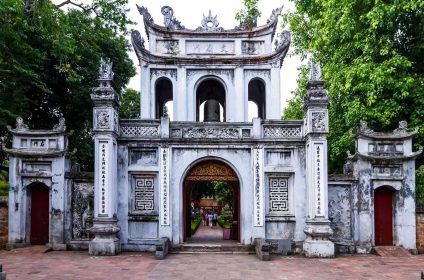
(34, 263)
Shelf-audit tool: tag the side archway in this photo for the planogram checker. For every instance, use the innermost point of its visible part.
(383, 216)
(39, 213)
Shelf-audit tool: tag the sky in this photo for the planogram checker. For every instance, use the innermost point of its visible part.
(190, 13)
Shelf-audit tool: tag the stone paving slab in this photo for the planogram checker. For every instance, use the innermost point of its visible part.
(34, 263)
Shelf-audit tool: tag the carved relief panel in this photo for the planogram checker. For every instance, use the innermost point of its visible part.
(252, 47)
(105, 119)
(167, 47)
(317, 121)
(339, 211)
(82, 210)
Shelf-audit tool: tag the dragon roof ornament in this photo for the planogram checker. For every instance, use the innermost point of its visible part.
(209, 23)
(145, 13)
(169, 20)
(274, 14)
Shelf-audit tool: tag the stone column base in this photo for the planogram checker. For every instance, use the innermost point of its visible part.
(104, 246)
(316, 244)
(105, 242)
(318, 248)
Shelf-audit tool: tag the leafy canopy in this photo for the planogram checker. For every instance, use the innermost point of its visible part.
(129, 104)
(49, 62)
(249, 14)
(371, 55)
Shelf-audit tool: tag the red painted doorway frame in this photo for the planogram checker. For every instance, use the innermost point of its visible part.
(39, 211)
(383, 216)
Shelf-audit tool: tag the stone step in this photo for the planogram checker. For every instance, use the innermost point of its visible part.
(391, 251)
(211, 248)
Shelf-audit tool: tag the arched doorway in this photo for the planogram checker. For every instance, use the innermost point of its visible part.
(201, 174)
(383, 216)
(39, 209)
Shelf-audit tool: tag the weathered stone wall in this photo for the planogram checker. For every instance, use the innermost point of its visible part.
(420, 229)
(3, 221)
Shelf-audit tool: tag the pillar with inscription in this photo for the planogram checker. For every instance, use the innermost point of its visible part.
(105, 130)
(317, 229)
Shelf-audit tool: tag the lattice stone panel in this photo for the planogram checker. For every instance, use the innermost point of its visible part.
(145, 131)
(282, 132)
(278, 195)
(144, 194)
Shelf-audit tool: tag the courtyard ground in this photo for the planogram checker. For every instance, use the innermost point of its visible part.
(34, 263)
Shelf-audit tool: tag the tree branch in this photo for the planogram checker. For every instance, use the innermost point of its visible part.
(70, 2)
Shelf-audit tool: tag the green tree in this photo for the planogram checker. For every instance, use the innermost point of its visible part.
(49, 62)
(130, 104)
(371, 57)
(249, 14)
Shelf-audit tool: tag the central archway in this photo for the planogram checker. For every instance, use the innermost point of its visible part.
(211, 170)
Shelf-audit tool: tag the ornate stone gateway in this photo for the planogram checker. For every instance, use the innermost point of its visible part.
(207, 171)
(143, 173)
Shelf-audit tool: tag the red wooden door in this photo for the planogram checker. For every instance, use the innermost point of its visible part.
(383, 216)
(39, 215)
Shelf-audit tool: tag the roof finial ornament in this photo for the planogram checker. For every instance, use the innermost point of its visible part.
(402, 129)
(105, 71)
(20, 125)
(169, 20)
(106, 74)
(364, 128)
(210, 23)
(60, 126)
(315, 74)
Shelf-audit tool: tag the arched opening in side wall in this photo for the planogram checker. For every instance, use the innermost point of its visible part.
(256, 95)
(164, 97)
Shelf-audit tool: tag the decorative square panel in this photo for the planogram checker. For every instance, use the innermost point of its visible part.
(144, 193)
(278, 194)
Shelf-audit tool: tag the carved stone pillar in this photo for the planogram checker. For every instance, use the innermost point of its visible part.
(105, 130)
(317, 227)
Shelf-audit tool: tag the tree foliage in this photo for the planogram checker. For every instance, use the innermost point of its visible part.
(371, 57)
(130, 104)
(49, 62)
(249, 14)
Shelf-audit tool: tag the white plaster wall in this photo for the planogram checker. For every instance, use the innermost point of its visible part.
(123, 193)
(404, 220)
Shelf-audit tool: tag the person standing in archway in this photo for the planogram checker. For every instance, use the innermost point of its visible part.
(210, 218)
(215, 218)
